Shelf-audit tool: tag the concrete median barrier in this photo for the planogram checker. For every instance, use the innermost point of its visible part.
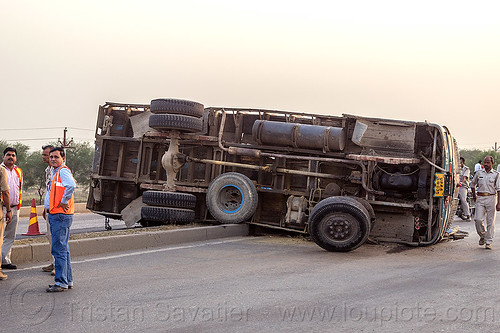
(40, 252)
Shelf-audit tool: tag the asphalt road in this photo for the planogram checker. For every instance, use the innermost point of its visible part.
(81, 223)
(266, 284)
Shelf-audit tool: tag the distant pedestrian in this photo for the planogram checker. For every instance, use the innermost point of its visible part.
(15, 177)
(59, 203)
(5, 199)
(48, 173)
(463, 189)
(478, 166)
(487, 200)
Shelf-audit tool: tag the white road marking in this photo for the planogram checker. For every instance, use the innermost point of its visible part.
(143, 252)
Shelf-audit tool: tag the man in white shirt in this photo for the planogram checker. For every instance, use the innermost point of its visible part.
(478, 166)
(5, 202)
(463, 189)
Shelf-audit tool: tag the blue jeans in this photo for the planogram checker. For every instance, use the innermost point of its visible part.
(59, 227)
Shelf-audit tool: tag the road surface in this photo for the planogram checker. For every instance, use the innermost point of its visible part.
(81, 223)
(266, 284)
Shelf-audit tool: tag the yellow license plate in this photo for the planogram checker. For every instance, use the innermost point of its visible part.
(439, 182)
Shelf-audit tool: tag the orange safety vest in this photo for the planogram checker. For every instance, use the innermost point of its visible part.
(56, 195)
(19, 173)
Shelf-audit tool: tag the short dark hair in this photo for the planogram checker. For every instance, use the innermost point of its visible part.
(462, 159)
(491, 159)
(479, 161)
(47, 146)
(59, 149)
(9, 149)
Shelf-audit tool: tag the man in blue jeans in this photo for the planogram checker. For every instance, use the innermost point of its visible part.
(59, 204)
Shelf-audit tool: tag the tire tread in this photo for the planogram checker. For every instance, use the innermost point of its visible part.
(169, 199)
(167, 215)
(177, 106)
(175, 122)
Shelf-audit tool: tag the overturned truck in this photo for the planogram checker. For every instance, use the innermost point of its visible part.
(341, 179)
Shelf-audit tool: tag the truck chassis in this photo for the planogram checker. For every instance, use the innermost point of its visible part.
(341, 179)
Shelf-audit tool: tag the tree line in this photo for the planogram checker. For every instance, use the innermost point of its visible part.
(78, 158)
(472, 156)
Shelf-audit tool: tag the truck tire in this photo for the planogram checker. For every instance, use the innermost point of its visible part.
(177, 106)
(339, 224)
(368, 208)
(175, 122)
(169, 199)
(231, 198)
(167, 215)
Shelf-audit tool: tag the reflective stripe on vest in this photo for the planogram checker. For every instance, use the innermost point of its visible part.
(19, 173)
(56, 194)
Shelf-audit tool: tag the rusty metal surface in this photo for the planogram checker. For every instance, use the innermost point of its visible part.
(383, 159)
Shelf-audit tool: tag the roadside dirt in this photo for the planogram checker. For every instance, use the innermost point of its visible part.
(43, 239)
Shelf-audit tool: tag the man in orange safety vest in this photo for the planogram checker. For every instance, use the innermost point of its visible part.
(59, 204)
(15, 178)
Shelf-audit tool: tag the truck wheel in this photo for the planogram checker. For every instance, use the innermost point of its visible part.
(167, 215)
(369, 209)
(339, 224)
(169, 199)
(177, 106)
(231, 198)
(175, 122)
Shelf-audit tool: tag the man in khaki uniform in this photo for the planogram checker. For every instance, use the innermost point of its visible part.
(487, 200)
(5, 199)
(463, 189)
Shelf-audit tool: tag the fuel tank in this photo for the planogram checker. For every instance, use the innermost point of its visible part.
(303, 136)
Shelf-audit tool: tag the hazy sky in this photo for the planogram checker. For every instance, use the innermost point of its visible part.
(415, 60)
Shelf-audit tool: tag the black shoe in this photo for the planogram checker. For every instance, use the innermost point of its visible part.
(52, 285)
(54, 289)
(9, 266)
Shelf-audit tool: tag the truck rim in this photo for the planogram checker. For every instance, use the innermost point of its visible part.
(230, 198)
